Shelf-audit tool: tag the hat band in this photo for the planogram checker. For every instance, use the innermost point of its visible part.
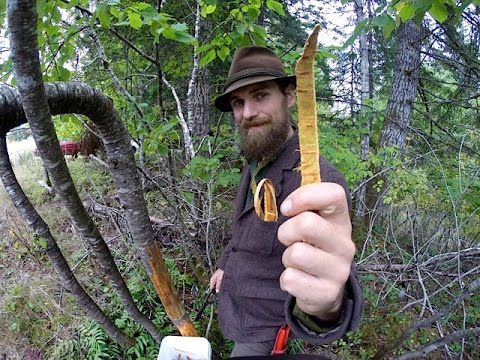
(252, 72)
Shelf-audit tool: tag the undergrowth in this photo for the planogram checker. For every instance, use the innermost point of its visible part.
(40, 318)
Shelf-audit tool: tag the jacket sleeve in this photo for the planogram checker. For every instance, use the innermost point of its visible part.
(349, 320)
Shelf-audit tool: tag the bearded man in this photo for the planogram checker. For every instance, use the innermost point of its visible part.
(297, 271)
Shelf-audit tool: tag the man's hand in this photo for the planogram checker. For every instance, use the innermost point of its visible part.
(319, 250)
(216, 280)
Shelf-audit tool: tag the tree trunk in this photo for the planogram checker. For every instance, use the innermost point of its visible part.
(38, 225)
(404, 86)
(402, 94)
(365, 120)
(81, 99)
(24, 48)
(197, 94)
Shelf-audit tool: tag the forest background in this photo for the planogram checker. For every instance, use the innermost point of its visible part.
(398, 103)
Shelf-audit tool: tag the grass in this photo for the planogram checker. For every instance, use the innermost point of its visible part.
(35, 312)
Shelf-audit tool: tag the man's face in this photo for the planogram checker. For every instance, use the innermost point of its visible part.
(262, 113)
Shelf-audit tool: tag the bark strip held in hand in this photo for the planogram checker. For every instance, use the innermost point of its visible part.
(266, 207)
(307, 112)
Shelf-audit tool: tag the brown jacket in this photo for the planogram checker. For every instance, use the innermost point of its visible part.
(252, 307)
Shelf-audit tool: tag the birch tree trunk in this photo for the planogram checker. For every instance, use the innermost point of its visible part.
(197, 94)
(38, 225)
(24, 48)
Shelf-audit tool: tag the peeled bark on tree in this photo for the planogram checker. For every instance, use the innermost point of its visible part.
(38, 225)
(81, 99)
(24, 49)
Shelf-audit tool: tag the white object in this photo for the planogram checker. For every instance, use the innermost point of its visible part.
(185, 348)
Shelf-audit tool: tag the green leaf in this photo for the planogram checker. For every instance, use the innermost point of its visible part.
(63, 4)
(103, 17)
(439, 11)
(169, 33)
(116, 12)
(140, 6)
(56, 15)
(241, 28)
(407, 12)
(260, 31)
(180, 27)
(203, 11)
(386, 23)
(223, 52)
(52, 30)
(63, 73)
(134, 20)
(327, 54)
(185, 38)
(211, 9)
(276, 6)
(208, 58)
(253, 13)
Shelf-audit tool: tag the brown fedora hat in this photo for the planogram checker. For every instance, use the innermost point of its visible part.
(250, 65)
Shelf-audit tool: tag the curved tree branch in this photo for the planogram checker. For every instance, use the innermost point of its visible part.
(89, 102)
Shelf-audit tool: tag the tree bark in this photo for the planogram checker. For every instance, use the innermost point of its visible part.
(38, 225)
(365, 120)
(197, 94)
(402, 94)
(404, 86)
(24, 49)
(64, 98)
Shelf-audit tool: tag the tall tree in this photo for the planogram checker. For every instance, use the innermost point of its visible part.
(406, 70)
(365, 95)
(198, 86)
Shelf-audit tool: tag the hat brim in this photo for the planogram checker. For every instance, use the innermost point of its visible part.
(222, 102)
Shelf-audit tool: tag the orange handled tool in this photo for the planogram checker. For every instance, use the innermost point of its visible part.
(280, 346)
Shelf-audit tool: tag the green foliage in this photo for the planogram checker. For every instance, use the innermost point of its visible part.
(241, 22)
(116, 13)
(158, 137)
(68, 127)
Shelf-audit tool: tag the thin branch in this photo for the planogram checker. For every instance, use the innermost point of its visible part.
(453, 337)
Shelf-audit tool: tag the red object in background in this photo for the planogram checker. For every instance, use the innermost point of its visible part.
(69, 147)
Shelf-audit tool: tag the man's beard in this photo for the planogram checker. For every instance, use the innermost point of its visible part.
(266, 143)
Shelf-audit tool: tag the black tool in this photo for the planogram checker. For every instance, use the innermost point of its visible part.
(209, 298)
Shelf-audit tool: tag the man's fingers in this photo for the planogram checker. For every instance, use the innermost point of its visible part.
(315, 230)
(306, 289)
(329, 199)
(315, 262)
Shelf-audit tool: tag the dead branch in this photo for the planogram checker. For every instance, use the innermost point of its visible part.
(453, 337)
